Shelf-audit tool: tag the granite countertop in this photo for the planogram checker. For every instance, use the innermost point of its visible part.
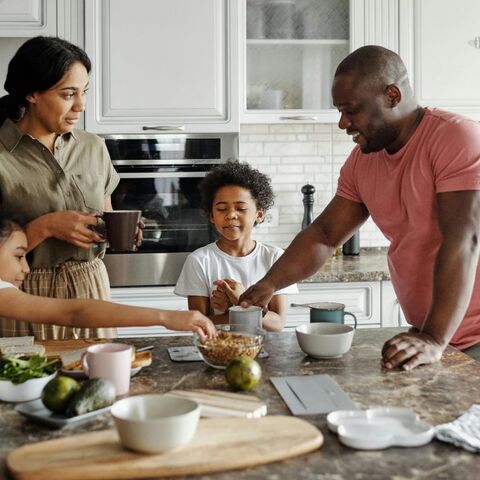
(439, 393)
(369, 266)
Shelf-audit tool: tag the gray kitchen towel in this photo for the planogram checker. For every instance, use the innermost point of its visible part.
(464, 431)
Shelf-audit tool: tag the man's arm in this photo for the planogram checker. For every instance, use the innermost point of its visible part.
(309, 250)
(453, 280)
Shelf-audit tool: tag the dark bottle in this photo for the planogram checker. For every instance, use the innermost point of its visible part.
(352, 245)
(308, 201)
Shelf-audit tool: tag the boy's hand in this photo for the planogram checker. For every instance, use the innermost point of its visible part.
(231, 288)
(220, 301)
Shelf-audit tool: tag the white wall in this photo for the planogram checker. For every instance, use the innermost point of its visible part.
(293, 155)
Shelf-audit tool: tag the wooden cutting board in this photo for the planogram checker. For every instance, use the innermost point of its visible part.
(219, 444)
(218, 403)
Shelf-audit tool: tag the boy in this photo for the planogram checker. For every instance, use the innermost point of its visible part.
(236, 197)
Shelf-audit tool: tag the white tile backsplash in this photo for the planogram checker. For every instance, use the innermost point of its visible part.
(293, 155)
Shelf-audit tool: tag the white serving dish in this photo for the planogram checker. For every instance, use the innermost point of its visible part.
(155, 423)
(379, 428)
(325, 340)
(36, 411)
(23, 392)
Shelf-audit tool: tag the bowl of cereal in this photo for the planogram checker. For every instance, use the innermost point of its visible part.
(220, 351)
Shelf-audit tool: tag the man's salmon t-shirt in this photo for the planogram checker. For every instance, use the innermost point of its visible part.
(399, 191)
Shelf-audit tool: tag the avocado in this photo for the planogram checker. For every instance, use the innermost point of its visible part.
(93, 394)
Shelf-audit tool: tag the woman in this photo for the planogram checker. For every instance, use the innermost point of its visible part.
(55, 178)
(69, 313)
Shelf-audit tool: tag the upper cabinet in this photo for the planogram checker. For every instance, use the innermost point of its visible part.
(27, 18)
(291, 48)
(443, 55)
(162, 65)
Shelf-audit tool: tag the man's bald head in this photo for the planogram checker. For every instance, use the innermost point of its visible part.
(376, 67)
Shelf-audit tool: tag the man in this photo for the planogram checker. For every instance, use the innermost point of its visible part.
(416, 171)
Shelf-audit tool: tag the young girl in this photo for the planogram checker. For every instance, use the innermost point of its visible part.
(23, 307)
(236, 197)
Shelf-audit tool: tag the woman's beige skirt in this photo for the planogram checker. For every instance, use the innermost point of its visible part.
(69, 280)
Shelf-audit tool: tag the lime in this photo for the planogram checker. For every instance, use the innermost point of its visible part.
(58, 392)
(243, 373)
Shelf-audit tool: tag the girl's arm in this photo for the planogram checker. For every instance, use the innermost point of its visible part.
(96, 313)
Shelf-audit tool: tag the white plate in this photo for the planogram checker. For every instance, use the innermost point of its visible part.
(378, 428)
(36, 411)
(80, 374)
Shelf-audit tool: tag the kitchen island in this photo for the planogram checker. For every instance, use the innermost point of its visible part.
(438, 393)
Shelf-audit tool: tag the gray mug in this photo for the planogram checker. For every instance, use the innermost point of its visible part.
(327, 312)
(246, 320)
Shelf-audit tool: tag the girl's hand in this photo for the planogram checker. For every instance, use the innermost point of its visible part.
(191, 320)
(231, 288)
(72, 227)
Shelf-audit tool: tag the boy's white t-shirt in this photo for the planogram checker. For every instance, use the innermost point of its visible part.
(209, 263)
(6, 284)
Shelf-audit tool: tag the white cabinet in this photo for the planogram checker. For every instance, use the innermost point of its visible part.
(162, 65)
(150, 297)
(392, 315)
(360, 298)
(440, 41)
(27, 18)
(291, 48)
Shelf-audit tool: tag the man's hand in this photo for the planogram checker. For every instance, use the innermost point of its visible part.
(411, 349)
(259, 294)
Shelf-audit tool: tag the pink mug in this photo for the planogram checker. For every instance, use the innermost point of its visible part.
(112, 361)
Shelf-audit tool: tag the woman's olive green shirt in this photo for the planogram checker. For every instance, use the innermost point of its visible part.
(33, 182)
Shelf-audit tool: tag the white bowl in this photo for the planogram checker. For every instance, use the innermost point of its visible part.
(325, 340)
(155, 423)
(23, 392)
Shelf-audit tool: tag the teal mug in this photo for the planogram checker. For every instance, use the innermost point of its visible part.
(327, 312)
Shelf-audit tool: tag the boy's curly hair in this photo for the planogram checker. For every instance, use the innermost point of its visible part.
(239, 174)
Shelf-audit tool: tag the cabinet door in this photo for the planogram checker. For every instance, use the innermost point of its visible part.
(162, 65)
(360, 298)
(291, 49)
(27, 18)
(150, 297)
(392, 314)
(443, 54)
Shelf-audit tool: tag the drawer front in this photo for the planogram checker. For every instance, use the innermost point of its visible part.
(150, 297)
(360, 298)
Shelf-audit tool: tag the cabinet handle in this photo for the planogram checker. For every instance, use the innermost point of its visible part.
(476, 42)
(164, 127)
(300, 117)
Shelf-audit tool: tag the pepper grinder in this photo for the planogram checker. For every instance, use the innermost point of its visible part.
(352, 245)
(308, 201)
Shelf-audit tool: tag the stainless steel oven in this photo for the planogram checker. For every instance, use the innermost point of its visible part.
(159, 174)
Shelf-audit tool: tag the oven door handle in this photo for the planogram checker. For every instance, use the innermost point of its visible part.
(163, 175)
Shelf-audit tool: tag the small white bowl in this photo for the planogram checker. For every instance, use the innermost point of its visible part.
(325, 340)
(23, 392)
(155, 423)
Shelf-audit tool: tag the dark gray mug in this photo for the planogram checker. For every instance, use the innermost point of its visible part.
(121, 229)
(327, 312)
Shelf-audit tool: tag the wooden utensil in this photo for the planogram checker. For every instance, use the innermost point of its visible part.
(217, 403)
(219, 444)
